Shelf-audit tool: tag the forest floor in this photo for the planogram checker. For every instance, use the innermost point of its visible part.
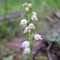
(41, 49)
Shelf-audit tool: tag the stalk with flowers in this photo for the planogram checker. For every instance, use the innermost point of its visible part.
(29, 29)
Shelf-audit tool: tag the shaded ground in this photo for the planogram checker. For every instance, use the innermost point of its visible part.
(41, 48)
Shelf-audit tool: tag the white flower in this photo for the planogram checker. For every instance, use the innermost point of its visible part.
(27, 9)
(37, 37)
(34, 13)
(29, 5)
(25, 44)
(31, 26)
(27, 30)
(25, 4)
(26, 51)
(23, 22)
(34, 17)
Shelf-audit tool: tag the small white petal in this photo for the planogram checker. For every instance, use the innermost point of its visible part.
(34, 17)
(37, 37)
(26, 51)
(27, 30)
(31, 26)
(23, 22)
(25, 44)
(34, 13)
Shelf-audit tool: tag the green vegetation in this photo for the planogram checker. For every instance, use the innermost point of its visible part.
(48, 24)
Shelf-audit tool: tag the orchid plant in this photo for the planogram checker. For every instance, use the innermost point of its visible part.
(31, 16)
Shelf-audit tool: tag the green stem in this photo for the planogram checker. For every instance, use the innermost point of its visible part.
(31, 55)
(29, 34)
(31, 47)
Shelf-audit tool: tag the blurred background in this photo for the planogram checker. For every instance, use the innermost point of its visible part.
(11, 33)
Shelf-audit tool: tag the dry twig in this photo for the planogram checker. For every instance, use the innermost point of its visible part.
(48, 52)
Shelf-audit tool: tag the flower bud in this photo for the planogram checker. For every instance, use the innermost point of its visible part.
(27, 9)
(29, 5)
(30, 0)
(25, 4)
(34, 13)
